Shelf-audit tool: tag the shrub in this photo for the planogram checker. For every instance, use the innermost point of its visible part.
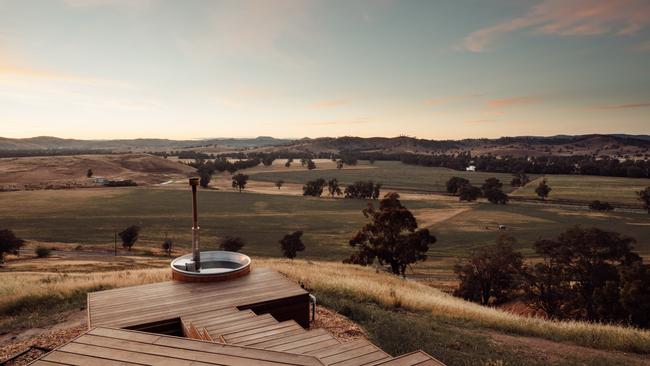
(600, 206)
(42, 252)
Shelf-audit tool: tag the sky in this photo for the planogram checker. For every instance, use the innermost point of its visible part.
(184, 69)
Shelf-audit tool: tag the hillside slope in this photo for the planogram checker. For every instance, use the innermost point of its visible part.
(399, 315)
(142, 168)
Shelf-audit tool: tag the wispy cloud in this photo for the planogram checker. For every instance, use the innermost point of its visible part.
(333, 103)
(569, 18)
(447, 100)
(511, 102)
(478, 121)
(624, 106)
(340, 122)
(644, 46)
(28, 72)
(130, 4)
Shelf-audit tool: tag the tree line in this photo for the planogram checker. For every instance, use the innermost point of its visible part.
(583, 274)
(359, 190)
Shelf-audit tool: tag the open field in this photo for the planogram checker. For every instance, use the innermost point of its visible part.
(399, 315)
(91, 217)
(392, 174)
(142, 168)
(588, 188)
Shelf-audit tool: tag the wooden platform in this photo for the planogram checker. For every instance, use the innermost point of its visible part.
(110, 347)
(259, 319)
(263, 290)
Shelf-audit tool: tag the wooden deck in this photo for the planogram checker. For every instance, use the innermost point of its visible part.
(262, 289)
(111, 347)
(259, 319)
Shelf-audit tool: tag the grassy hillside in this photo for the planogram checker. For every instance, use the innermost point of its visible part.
(142, 168)
(399, 315)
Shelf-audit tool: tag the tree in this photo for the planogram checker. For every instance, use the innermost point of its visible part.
(333, 187)
(544, 288)
(363, 190)
(42, 252)
(339, 164)
(205, 175)
(239, 181)
(391, 236)
(454, 184)
(167, 246)
(9, 243)
(288, 163)
(311, 165)
(268, 160)
(600, 206)
(519, 180)
(644, 196)
(376, 191)
(314, 187)
(290, 244)
(492, 191)
(279, 183)
(232, 243)
(635, 293)
(469, 193)
(490, 275)
(129, 236)
(303, 161)
(89, 173)
(587, 262)
(543, 189)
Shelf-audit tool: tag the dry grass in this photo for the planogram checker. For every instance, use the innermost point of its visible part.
(362, 284)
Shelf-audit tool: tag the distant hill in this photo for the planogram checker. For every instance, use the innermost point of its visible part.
(608, 145)
(142, 168)
(55, 143)
(615, 145)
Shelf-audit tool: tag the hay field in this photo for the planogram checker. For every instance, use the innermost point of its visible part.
(588, 188)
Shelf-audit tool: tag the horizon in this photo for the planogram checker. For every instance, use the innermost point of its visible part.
(624, 135)
(118, 69)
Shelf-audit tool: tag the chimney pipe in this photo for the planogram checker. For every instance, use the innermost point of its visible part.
(196, 254)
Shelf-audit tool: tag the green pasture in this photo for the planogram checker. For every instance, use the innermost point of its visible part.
(392, 174)
(93, 216)
(588, 188)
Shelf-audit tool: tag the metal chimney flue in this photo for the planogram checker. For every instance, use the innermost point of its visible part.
(196, 253)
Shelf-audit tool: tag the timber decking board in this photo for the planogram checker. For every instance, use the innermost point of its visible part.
(112, 347)
(412, 359)
(223, 311)
(135, 305)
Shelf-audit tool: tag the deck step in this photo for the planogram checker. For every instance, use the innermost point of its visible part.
(234, 337)
(418, 358)
(276, 340)
(251, 323)
(357, 353)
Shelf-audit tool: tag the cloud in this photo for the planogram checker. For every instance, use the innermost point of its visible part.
(357, 121)
(479, 121)
(511, 102)
(568, 18)
(644, 46)
(447, 100)
(131, 4)
(625, 106)
(324, 104)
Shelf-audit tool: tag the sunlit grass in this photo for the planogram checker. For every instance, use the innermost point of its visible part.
(359, 283)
